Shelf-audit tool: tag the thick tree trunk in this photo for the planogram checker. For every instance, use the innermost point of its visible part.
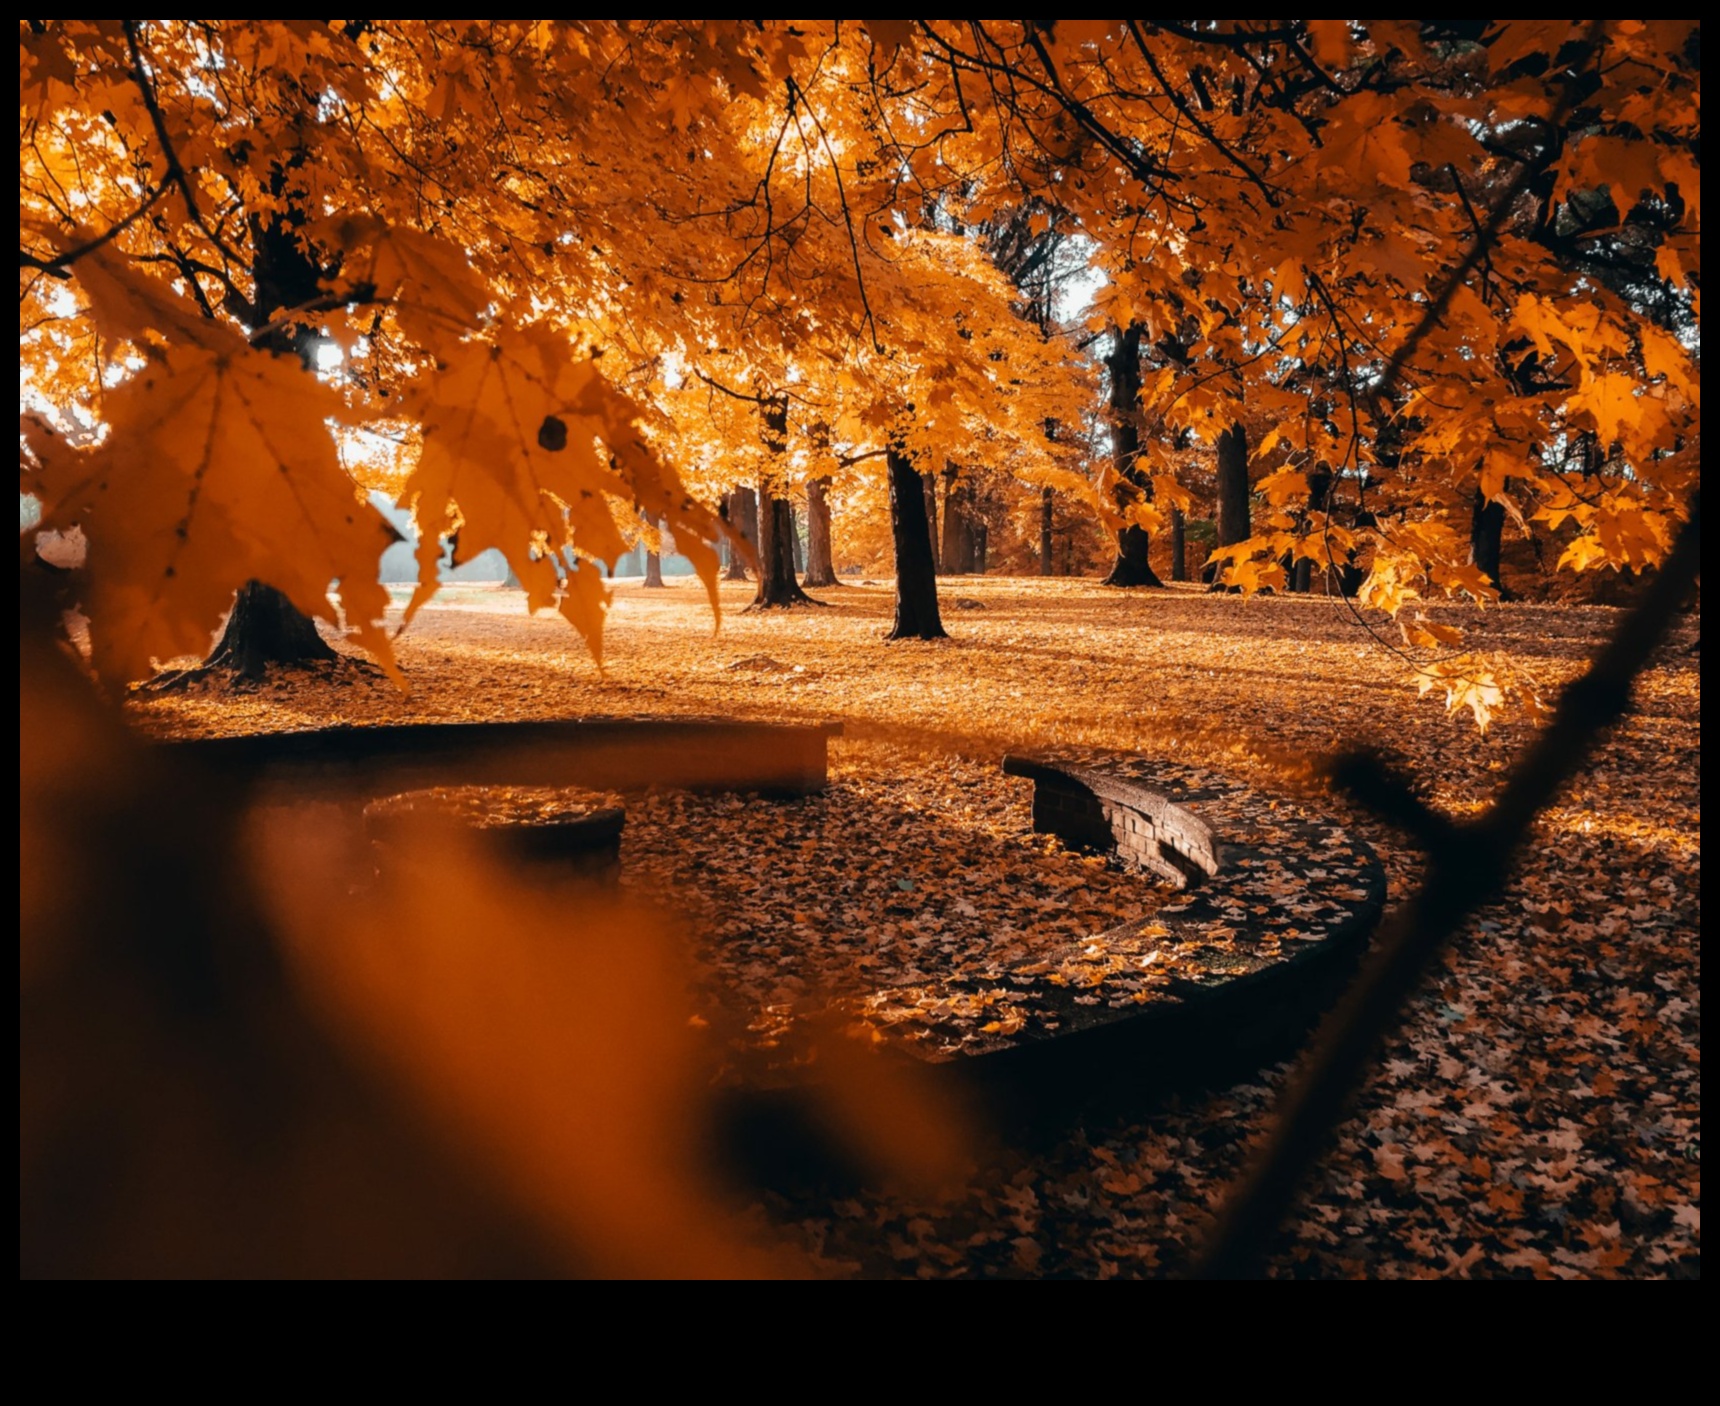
(979, 546)
(798, 550)
(956, 558)
(1131, 568)
(1179, 545)
(653, 560)
(1046, 511)
(1486, 538)
(1231, 518)
(265, 628)
(820, 561)
(916, 575)
(777, 584)
(742, 517)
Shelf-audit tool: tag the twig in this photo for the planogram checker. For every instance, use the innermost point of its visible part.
(56, 267)
(1218, 143)
(325, 302)
(1480, 248)
(731, 393)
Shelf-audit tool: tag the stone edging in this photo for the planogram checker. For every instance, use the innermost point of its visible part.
(1275, 906)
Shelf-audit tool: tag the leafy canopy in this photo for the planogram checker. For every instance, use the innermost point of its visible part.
(1445, 263)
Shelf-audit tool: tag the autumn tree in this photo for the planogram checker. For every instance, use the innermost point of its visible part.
(1230, 514)
(1257, 180)
(171, 224)
(1132, 568)
(1382, 238)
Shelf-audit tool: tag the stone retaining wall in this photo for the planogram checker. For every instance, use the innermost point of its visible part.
(1142, 827)
(1273, 906)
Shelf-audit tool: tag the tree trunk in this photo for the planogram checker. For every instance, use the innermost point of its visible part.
(979, 546)
(742, 517)
(930, 482)
(956, 559)
(653, 560)
(777, 584)
(265, 628)
(916, 575)
(1179, 545)
(820, 563)
(1046, 510)
(1319, 490)
(798, 551)
(1486, 539)
(1132, 568)
(1232, 515)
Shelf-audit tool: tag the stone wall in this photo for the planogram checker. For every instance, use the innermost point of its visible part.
(1143, 828)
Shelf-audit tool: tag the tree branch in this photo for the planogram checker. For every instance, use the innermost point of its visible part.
(57, 266)
(175, 172)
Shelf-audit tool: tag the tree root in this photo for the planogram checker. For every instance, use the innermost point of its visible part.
(234, 679)
(793, 603)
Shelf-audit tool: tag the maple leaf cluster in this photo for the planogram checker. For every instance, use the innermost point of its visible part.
(1433, 266)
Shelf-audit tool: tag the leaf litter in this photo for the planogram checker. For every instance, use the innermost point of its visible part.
(1537, 1114)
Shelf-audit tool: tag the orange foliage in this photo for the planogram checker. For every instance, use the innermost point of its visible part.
(1444, 264)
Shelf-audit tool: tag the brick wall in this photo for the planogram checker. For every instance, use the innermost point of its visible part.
(1141, 827)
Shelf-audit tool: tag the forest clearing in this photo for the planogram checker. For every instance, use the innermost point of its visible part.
(887, 649)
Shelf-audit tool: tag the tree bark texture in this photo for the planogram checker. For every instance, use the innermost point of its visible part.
(929, 481)
(265, 628)
(1131, 568)
(916, 574)
(1319, 491)
(956, 559)
(820, 561)
(777, 584)
(1179, 545)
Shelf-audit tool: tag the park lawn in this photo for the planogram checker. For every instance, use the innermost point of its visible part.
(1539, 1112)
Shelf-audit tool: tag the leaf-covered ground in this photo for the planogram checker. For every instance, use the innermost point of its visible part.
(1537, 1115)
